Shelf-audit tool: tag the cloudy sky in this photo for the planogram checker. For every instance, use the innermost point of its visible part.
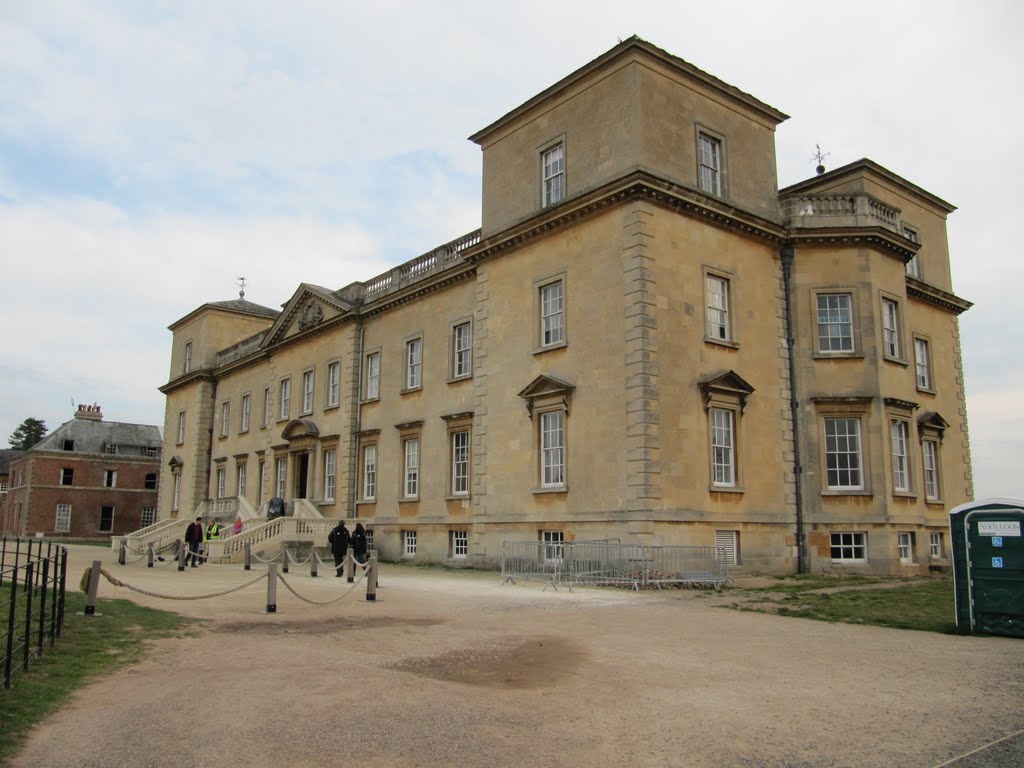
(152, 152)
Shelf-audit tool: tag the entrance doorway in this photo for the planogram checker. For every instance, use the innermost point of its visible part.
(301, 475)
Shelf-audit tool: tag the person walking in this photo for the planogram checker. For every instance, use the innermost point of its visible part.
(339, 540)
(193, 540)
(359, 543)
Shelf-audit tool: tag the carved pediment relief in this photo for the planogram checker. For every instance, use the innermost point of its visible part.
(309, 308)
(297, 428)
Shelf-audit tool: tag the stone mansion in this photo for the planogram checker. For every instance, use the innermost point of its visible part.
(646, 340)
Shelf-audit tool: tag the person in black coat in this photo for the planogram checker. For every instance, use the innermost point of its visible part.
(339, 540)
(359, 543)
(193, 538)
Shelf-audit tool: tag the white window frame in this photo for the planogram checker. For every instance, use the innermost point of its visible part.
(551, 429)
(460, 462)
(719, 325)
(285, 388)
(147, 516)
(899, 432)
(408, 543)
(460, 544)
(62, 521)
(891, 346)
(552, 545)
(308, 388)
(850, 546)
(551, 297)
(552, 168)
(333, 383)
(330, 473)
(723, 447)
(837, 445)
(221, 482)
(67, 476)
(241, 473)
(110, 526)
(730, 542)
(262, 471)
(411, 468)
(282, 476)
(834, 322)
(414, 363)
(373, 375)
(244, 416)
(923, 364)
(462, 350)
(267, 406)
(181, 427)
(176, 496)
(225, 418)
(709, 163)
(370, 472)
(914, 265)
(935, 546)
(110, 478)
(188, 357)
(905, 546)
(932, 474)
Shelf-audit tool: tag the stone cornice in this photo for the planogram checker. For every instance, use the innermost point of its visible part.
(638, 185)
(876, 237)
(928, 293)
(415, 291)
(197, 374)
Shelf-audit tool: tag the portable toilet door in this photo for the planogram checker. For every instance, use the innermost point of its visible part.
(988, 566)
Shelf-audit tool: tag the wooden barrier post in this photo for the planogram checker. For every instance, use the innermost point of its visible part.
(248, 556)
(350, 566)
(272, 588)
(150, 556)
(284, 552)
(122, 554)
(181, 556)
(312, 562)
(94, 588)
(371, 578)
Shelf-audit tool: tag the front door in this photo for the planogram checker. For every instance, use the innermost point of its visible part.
(301, 475)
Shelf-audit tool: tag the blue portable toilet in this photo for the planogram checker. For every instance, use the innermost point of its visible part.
(988, 566)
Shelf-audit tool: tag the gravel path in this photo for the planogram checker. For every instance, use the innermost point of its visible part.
(457, 669)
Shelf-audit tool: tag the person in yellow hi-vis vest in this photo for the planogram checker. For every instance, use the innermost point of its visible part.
(213, 532)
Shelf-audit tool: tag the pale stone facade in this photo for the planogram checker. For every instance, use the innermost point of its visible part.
(645, 341)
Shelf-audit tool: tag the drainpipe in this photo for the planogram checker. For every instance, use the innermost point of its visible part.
(353, 465)
(786, 253)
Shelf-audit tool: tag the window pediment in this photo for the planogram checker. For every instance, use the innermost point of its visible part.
(932, 422)
(175, 462)
(547, 389)
(725, 385)
(298, 428)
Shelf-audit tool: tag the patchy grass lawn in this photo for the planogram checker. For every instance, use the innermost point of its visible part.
(89, 647)
(921, 604)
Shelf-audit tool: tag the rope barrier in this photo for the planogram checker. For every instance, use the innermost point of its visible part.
(319, 602)
(118, 583)
(268, 560)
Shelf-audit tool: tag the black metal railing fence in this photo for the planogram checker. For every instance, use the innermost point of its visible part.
(33, 578)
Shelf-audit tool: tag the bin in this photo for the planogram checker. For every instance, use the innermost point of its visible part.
(988, 566)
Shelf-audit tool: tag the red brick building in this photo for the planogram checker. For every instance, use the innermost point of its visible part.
(86, 478)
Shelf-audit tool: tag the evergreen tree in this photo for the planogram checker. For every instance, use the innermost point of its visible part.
(28, 433)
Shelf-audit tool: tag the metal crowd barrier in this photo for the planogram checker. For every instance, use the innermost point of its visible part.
(610, 563)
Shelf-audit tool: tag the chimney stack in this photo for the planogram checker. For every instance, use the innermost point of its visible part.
(89, 412)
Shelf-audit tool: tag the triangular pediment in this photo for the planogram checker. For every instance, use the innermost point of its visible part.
(932, 420)
(310, 307)
(727, 385)
(726, 381)
(546, 385)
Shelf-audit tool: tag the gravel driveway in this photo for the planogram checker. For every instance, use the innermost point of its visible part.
(456, 669)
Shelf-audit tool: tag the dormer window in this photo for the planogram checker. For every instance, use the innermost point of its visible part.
(553, 174)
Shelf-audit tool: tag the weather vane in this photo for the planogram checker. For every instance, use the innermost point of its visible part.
(821, 157)
(241, 287)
